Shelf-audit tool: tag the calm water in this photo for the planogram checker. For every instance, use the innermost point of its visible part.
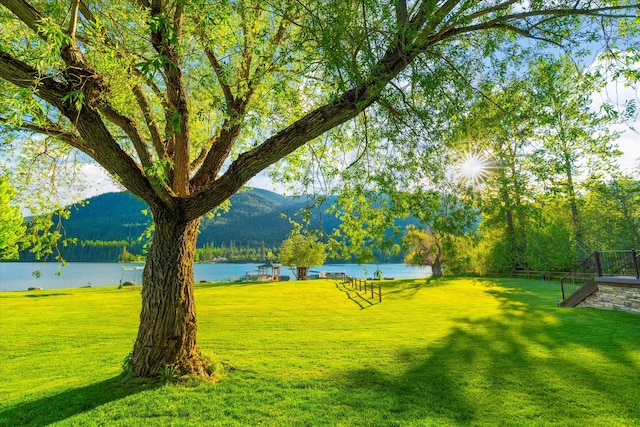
(16, 276)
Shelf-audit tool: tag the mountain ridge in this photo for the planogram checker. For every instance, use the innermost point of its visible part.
(255, 217)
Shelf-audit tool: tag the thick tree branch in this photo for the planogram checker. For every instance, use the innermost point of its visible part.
(222, 143)
(154, 130)
(219, 72)
(86, 12)
(55, 131)
(26, 13)
(277, 147)
(129, 126)
(25, 76)
(90, 127)
(220, 149)
(118, 162)
(401, 12)
(73, 22)
(498, 7)
(163, 40)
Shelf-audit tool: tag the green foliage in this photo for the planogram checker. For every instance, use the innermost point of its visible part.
(209, 252)
(95, 251)
(423, 248)
(551, 242)
(168, 373)
(75, 97)
(159, 171)
(126, 363)
(302, 252)
(611, 211)
(11, 227)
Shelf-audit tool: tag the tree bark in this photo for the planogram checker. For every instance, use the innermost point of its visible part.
(575, 216)
(436, 268)
(168, 325)
(301, 273)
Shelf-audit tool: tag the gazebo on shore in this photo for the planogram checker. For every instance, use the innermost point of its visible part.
(269, 271)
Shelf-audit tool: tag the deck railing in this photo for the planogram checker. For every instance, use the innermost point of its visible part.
(618, 263)
(601, 264)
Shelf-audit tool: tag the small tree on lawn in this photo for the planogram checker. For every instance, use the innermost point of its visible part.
(423, 248)
(302, 252)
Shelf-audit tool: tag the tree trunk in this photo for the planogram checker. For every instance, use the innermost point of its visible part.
(168, 325)
(301, 273)
(575, 217)
(436, 269)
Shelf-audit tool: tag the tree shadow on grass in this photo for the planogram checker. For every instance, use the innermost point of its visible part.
(531, 365)
(408, 288)
(360, 298)
(44, 295)
(52, 409)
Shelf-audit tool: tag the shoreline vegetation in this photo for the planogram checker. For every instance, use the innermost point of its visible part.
(133, 252)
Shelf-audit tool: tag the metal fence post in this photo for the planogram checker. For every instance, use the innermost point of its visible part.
(598, 263)
(634, 254)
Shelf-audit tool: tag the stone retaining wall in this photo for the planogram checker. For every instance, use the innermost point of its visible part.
(615, 296)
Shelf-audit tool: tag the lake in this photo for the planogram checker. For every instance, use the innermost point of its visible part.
(19, 276)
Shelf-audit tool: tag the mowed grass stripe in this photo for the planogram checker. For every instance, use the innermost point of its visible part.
(451, 351)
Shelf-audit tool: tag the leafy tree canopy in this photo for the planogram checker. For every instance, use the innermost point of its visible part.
(11, 228)
(302, 253)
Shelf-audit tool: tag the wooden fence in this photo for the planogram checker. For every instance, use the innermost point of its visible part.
(529, 274)
(365, 286)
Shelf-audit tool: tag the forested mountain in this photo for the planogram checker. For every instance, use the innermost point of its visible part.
(108, 217)
(111, 227)
(255, 216)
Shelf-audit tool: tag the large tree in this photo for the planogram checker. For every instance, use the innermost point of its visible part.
(573, 138)
(184, 101)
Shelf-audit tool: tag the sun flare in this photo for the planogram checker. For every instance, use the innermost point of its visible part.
(474, 167)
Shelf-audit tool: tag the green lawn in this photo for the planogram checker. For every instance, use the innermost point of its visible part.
(437, 352)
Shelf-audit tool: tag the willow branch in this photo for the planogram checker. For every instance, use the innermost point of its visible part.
(129, 126)
(178, 122)
(26, 13)
(203, 153)
(154, 130)
(426, 38)
(73, 23)
(217, 69)
(401, 12)
(54, 130)
(86, 12)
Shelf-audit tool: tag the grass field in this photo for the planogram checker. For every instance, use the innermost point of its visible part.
(434, 352)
